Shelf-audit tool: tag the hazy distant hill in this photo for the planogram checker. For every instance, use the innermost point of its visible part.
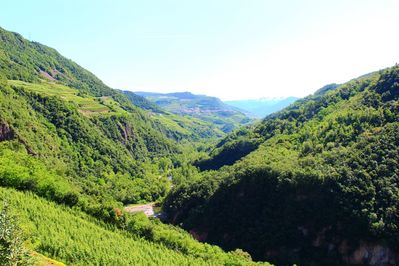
(260, 108)
(210, 109)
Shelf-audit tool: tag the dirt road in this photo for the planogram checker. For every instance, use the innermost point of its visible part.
(148, 209)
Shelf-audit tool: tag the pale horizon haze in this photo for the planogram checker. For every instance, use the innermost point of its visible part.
(231, 49)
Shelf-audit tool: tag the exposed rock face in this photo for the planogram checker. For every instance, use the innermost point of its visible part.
(147, 209)
(46, 75)
(342, 251)
(200, 236)
(126, 132)
(51, 75)
(6, 133)
(372, 254)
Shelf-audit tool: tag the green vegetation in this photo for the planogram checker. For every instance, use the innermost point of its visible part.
(311, 184)
(86, 105)
(75, 238)
(12, 250)
(316, 182)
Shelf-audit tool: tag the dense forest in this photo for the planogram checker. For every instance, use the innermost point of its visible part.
(314, 184)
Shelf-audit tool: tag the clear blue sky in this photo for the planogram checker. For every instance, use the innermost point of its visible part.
(232, 49)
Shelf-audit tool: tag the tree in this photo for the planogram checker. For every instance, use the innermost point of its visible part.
(12, 250)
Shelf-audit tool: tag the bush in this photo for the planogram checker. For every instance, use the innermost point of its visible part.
(12, 250)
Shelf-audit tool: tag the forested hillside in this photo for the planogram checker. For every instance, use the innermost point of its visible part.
(86, 150)
(314, 184)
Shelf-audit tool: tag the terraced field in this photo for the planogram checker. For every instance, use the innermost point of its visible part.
(87, 105)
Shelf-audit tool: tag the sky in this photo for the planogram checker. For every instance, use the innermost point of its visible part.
(231, 49)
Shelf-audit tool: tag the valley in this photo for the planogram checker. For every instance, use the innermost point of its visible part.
(91, 175)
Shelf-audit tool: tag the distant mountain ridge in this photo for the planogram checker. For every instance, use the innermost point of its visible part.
(259, 108)
(207, 108)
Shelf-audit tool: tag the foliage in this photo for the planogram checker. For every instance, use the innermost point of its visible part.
(78, 239)
(12, 249)
(21, 171)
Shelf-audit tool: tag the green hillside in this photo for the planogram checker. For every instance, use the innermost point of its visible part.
(314, 184)
(75, 238)
(208, 109)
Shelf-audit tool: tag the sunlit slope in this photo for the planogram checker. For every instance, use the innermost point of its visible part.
(77, 239)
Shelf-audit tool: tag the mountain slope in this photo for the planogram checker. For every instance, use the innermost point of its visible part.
(209, 109)
(259, 108)
(318, 186)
